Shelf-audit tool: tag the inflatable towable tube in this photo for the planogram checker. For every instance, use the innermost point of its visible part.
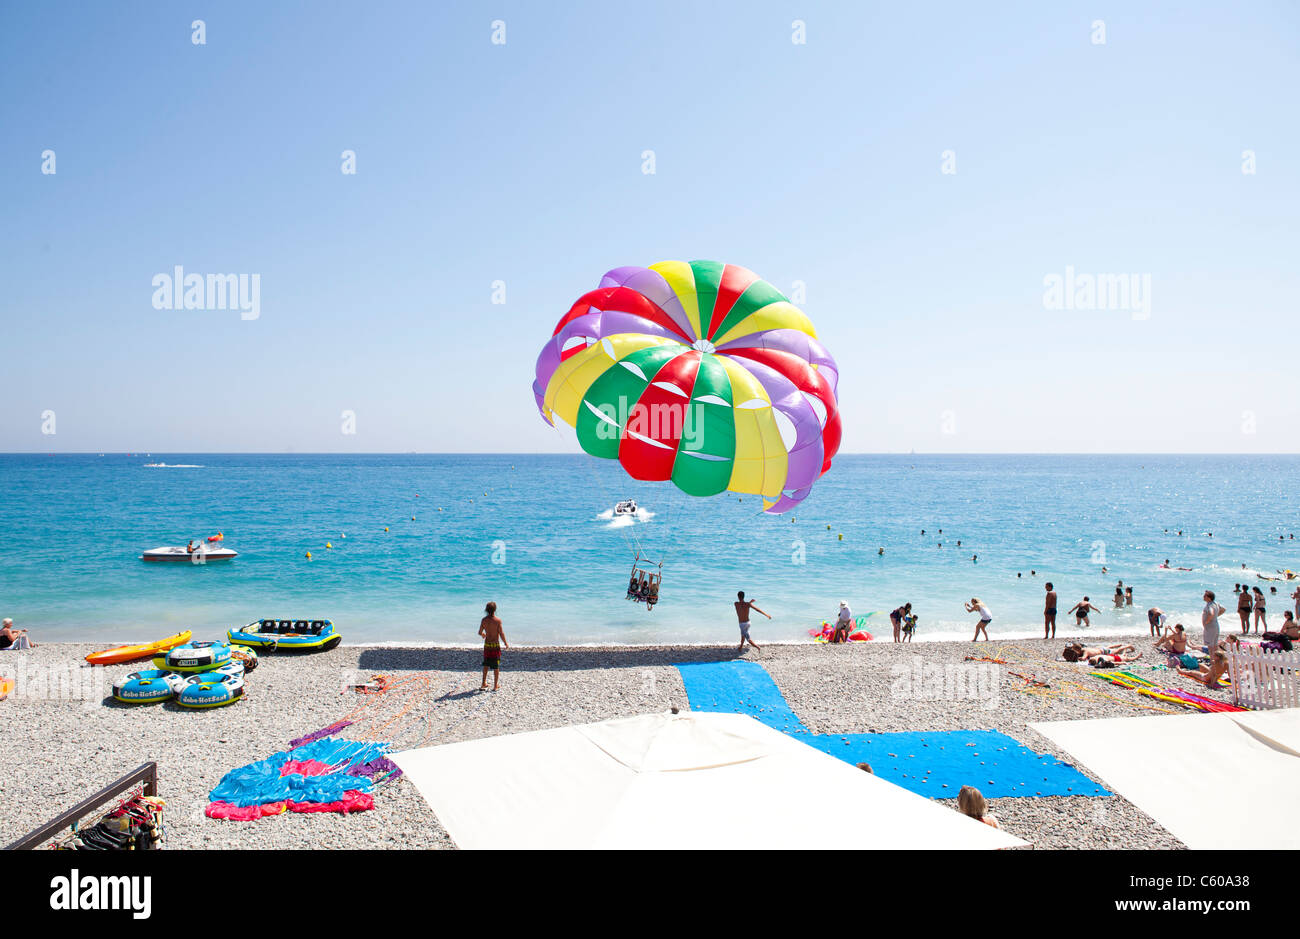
(147, 687)
(211, 689)
(287, 635)
(194, 657)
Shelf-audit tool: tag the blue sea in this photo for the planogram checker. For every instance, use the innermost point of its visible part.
(421, 542)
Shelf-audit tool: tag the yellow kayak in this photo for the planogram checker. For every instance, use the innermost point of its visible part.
(142, 651)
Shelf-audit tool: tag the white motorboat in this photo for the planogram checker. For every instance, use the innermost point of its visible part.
(202, 554)
(626, 507)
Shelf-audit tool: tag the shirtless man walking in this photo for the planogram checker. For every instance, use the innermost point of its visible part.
(494, 640)
(743, 607)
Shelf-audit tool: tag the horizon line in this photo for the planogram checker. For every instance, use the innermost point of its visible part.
(583, 453)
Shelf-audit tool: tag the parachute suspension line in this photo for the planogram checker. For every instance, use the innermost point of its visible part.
(589, 464)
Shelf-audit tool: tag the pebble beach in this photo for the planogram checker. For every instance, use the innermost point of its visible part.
(57, 750)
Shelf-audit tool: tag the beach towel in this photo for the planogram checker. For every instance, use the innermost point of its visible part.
(932, 763)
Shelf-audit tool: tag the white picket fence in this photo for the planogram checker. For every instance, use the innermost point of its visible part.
(1264, 679)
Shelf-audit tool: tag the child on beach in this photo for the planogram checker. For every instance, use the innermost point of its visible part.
(971, 802)
(985, 618)
(494, 640)
(743, 607)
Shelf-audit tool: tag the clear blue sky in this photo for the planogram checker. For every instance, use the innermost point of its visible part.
(477, 162)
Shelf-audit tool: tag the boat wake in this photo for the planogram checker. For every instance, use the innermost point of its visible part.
(623, 521)
(174, 465)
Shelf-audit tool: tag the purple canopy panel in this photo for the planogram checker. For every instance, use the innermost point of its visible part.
(794, 342)
(653, 287)
(596, 325)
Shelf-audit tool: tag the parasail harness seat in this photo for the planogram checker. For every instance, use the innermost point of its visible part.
(643, 584)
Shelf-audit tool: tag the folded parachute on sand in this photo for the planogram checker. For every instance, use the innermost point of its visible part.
(321, 776)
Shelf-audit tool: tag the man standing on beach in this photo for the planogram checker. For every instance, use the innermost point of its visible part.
(743, 607)
(1049, 612)
(1210, 621)
(494, 639)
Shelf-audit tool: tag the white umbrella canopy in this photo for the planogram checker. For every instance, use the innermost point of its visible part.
(691, 780)
(1211, 780)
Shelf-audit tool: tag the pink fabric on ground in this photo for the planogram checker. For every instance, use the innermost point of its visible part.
(306, 768)
(353, 801)
(243, 813)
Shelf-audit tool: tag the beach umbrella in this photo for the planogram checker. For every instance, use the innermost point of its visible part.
(1179, 769)
(691, 780)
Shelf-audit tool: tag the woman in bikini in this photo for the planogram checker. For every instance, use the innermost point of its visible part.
(1260, 624)
(1243, 609)
(1288, 634)
(1209, 675)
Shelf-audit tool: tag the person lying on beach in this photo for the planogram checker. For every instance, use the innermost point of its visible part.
(982, 626)
(1081, 610)
(1107, 660)
(1077, 651)
(494, 640)
(970, 801)
(15, 639)
(1209, 675)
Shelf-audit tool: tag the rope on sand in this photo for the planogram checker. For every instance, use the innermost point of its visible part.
(1064, 681)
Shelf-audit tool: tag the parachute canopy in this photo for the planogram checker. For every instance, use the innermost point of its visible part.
(699, 373)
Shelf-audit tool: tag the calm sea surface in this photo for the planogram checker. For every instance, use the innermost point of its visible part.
(421, 542)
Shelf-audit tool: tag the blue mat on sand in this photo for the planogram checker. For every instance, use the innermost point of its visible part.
(930, 763)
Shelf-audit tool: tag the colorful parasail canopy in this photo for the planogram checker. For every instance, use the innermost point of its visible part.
(690, 372)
